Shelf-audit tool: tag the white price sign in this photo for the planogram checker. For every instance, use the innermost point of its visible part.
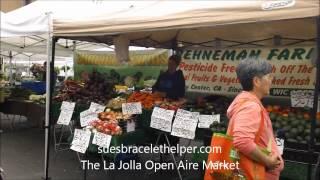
(302, 98)
(68, 106)
(132, 108)
(86, 117)
(65, 116)
(96, 107)
(184, 113)
(206, 120)
(81, 140)
(161, 119)
(280, 144)
(131, 126)
(102, 140)
(185, 124)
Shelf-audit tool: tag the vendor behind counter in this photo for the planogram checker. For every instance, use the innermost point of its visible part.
(171, 84)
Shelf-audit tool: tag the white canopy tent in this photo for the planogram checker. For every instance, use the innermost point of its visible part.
(171, 24)
(159, 23)
(29, 29)
(25, 29)
(178, 24)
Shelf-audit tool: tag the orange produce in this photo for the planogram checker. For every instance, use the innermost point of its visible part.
(276, 108)
(306, 116)
(269, 108)
(147, 100)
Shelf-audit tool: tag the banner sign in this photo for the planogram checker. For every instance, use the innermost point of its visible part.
(214, 70)
(137, 58)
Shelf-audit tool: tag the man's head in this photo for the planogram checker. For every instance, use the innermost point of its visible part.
(173, 62)
(255, 75)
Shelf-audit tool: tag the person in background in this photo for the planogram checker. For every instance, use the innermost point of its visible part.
(245, 115)
(44, 73)
(171, 84)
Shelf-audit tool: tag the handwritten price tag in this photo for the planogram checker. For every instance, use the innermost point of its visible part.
(102, 140)
(68, 106)
(302, 98)
(132, 108)
(65, 116)
(206, 120)
(184, 113)
(161, 119)
(81, 140)
(86, 117)
(96, 107)
(131, 126)
(185, 124)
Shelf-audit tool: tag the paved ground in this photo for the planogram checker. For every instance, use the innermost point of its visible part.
(22, 158)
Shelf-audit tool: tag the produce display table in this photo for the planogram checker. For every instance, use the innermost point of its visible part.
(140, 136)
(35, 113)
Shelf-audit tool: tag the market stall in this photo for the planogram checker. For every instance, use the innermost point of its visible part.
(271, 25)
(206, 24)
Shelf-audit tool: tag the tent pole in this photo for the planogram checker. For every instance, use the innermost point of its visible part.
(50, 88)
(29, 66)
(315, 101)
(10, 69)
(48, 93)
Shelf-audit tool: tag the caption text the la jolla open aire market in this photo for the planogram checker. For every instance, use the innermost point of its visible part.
(154, 165)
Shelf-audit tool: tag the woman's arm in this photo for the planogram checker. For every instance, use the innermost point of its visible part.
(246, 125)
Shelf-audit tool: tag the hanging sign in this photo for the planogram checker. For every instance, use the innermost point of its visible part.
(65, 116)
(81, 140)
(214, 70)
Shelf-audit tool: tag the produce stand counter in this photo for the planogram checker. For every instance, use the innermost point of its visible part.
(35, 113)
(143, 134)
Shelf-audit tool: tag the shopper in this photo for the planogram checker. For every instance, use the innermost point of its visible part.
(44, 73)
(247, 112)
(171, 84)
